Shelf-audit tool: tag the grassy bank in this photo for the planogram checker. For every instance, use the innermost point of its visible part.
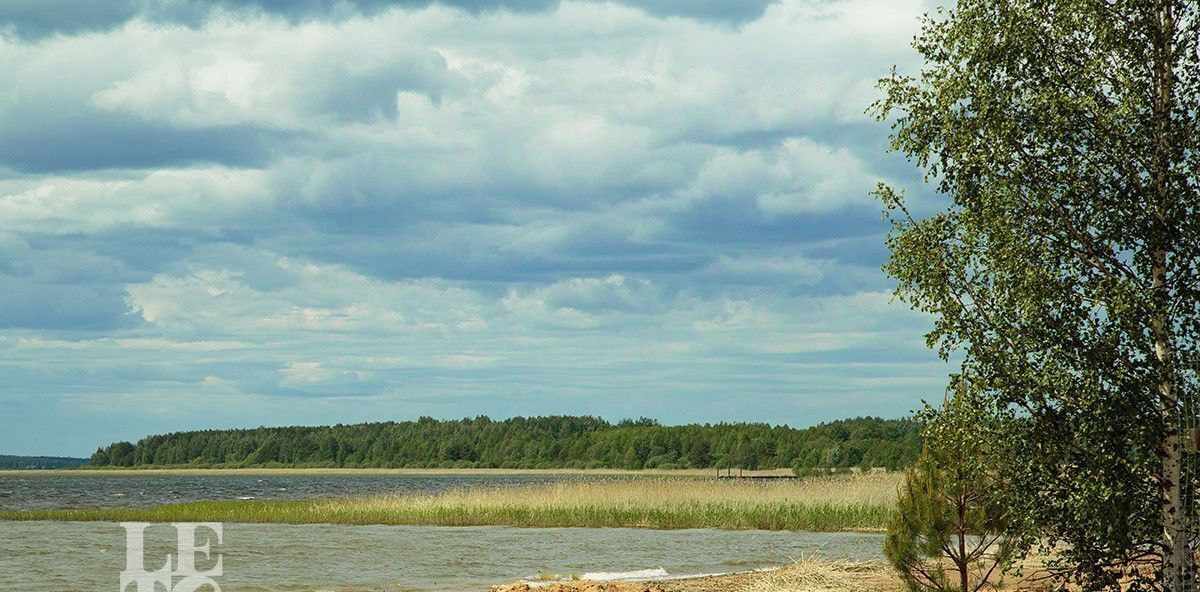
(825, 504)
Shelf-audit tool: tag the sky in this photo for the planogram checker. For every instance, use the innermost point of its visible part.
(263, 212)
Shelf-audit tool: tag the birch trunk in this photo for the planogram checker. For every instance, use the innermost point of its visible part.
(1176, 557)
(1176, 560)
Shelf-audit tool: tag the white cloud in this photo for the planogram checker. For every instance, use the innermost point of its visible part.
(579, 209)
(797, 177)
(203, 199)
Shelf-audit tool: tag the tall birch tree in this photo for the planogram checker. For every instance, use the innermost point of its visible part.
(1063, 261)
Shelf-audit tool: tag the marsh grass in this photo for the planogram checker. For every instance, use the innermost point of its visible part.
(818, 504)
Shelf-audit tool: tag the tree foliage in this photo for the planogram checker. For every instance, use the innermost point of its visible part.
(946, 533)
(535, 442)
(1065, 268)
(8, 461)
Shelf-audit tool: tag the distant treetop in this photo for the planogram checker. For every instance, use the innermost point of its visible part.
(532, 442)
(11, 462)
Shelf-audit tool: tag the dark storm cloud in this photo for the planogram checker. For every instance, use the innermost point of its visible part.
(140, 252)
(33, 19)
(729, 11)
(713, 10)
(847, 240)
(59, 288)
(726, 221)
(347, 92)
(300, 9)
(477, 263)
(29, 304)
(92, 140)
(38, 18)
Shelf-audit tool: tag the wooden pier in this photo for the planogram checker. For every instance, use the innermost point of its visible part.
(754, 475)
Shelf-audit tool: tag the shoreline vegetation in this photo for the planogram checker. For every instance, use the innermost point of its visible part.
(822, 504)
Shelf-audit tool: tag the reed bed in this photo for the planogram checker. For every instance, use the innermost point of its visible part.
(848, 503)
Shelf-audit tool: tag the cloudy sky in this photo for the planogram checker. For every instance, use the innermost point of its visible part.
(242, 213)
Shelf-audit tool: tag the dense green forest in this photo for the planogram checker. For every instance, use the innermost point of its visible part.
(10, 462)
(534, 442)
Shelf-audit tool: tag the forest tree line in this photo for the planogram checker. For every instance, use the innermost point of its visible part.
(534, 442)
(12, 462)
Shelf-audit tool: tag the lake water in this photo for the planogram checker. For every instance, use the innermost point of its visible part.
(31, 492)
(89, 556)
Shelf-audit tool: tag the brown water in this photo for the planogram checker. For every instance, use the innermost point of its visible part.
(89, 556)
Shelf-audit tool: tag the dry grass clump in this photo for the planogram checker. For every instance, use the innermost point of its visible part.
(814, 575)
(859, 502)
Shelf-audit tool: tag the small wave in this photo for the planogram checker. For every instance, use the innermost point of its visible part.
(641, 575)
(716, 574)
(626, 576)
(245, 497)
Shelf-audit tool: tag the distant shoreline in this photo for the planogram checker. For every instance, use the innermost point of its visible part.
(98, 471)
(550, 441)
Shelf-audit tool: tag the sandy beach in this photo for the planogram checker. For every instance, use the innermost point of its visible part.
(804, 576)
(810, 575)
